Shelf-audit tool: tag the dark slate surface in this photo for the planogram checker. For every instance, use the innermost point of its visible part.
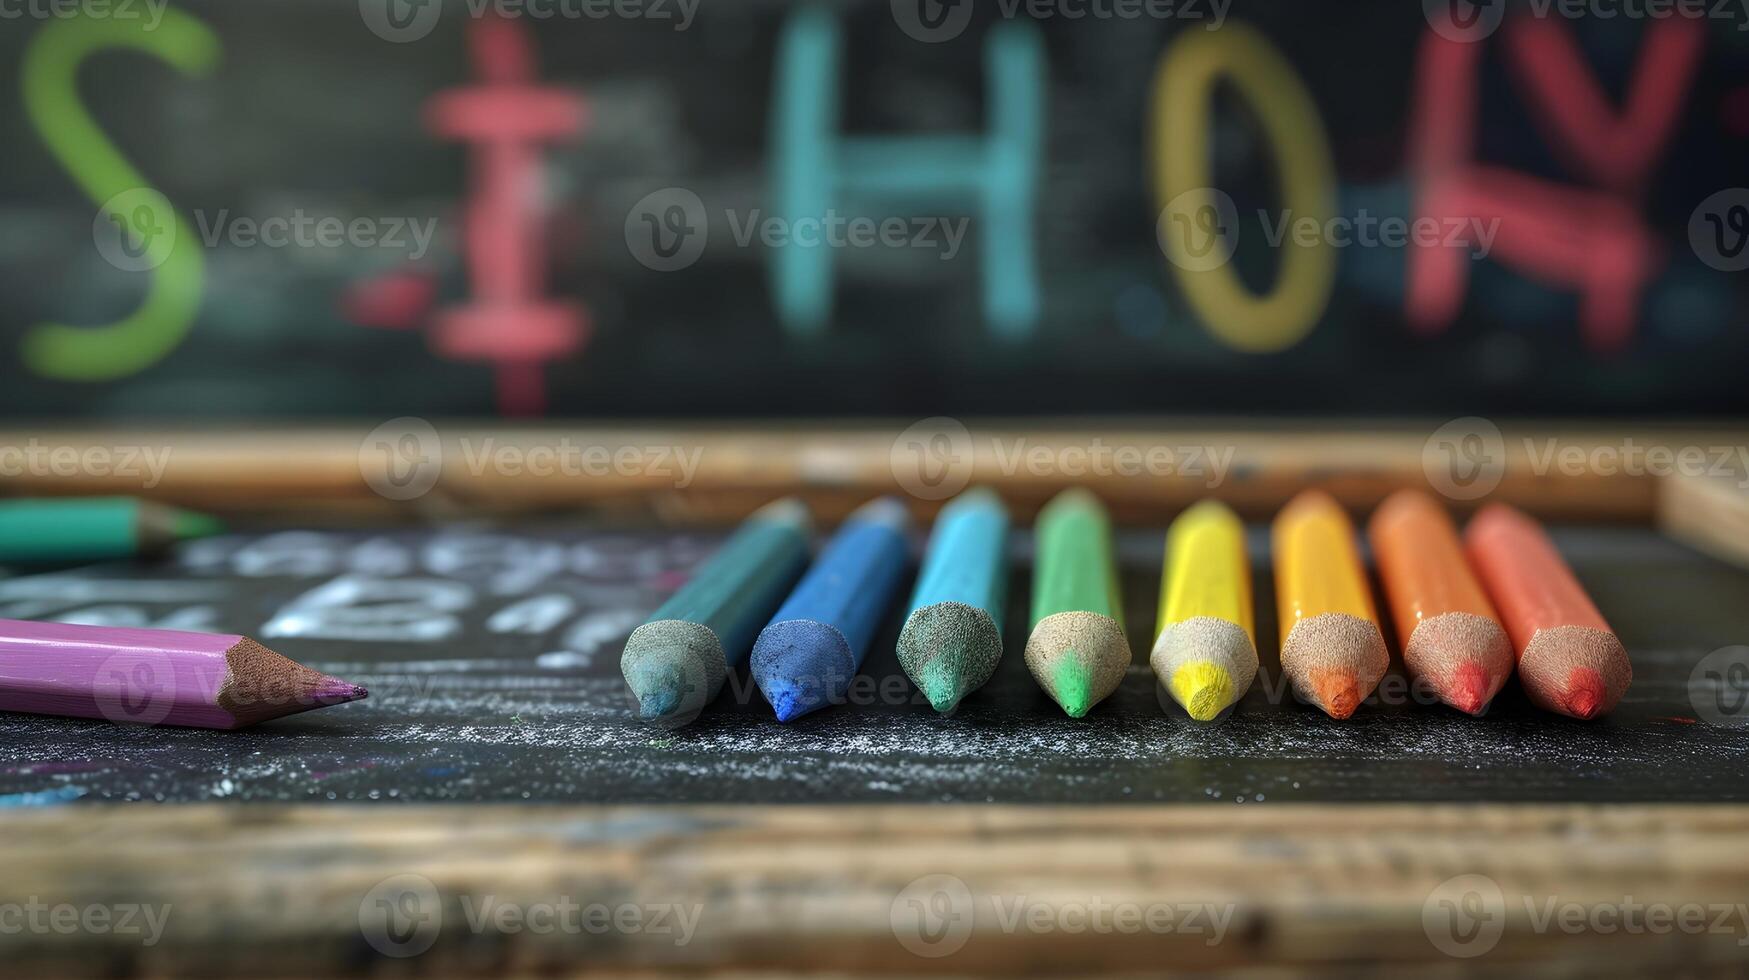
(492, 657)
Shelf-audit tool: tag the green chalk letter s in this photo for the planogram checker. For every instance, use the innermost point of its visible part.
(150, 234)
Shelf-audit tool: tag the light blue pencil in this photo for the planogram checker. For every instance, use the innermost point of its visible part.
(952, 639)
(805, 658)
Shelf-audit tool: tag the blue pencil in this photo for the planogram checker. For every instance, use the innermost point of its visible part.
(805, 658)
(952, 639)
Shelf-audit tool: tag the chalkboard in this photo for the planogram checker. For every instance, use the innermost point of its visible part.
(492, 660)
(304, 108)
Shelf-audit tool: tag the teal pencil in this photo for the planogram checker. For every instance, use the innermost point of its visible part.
(677, 662)
(72, 530)
(952, 638)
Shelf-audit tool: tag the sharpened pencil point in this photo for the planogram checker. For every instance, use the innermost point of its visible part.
(789, 704)
(939, 682)
(1205, 689)
(1071, 686)
(1585, 693)
(1469, 688)
(333, 690)
(1337, 692)
(657, 704)
(188, 525)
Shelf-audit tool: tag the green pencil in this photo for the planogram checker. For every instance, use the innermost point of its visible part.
(1077, 650)
(676, 663)
(73, 530)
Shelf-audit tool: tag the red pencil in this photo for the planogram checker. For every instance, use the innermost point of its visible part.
(1569, 660)
(155, 677)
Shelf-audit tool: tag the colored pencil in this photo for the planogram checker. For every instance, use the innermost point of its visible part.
(1206, 653)
(1452, 637)
(1331, 647)
(86, 529)
(1569, 660)
(806, 657)
(952, 638)
(155, 677)
(1077, 650)
(676, 663)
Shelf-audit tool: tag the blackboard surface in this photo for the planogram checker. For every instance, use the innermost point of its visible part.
(492, 657)
(308, 113)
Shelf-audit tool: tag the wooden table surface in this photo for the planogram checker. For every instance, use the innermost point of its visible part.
(1304, 890)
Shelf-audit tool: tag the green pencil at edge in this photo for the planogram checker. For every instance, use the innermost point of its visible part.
(676, 663)
(73, 530)
(952, 638)
(1077, 650)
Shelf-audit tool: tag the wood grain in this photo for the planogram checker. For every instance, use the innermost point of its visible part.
(323, 472)
(1312, 889)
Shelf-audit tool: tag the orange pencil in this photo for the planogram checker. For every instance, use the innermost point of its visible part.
(1331, 647)
(1569, 660)
(1451, 636)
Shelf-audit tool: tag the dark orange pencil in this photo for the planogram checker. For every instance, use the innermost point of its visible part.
(1569, 660)
(1452, 638)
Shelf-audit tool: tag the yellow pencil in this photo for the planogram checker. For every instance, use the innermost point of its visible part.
(1206, 653)
(1331, 646)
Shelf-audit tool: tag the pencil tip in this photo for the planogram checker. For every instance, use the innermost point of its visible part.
(1072, 687)
(1469, 688)
(1336, 691)
(1203, 688)
(788, 704)
(1585, 693)
(658, 703)
(939, 683)
(189, 525)
(333, 690)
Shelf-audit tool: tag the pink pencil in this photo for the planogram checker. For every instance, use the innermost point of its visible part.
(155, 677)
